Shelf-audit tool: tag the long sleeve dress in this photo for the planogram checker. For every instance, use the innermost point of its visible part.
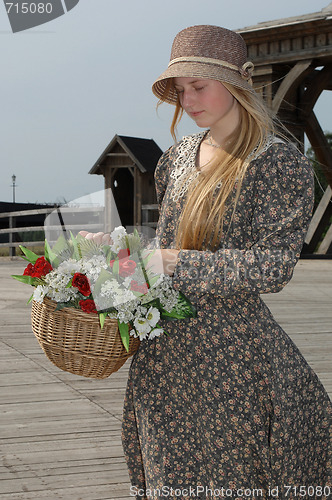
(226, 402)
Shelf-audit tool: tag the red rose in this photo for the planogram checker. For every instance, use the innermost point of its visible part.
(88, 306)
(39, 269)
(42, 267)
(81, 282)
(126, 267)
(136, 287)
(123, 254)
(28, 270)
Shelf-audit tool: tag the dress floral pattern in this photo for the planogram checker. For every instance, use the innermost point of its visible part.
(226, 402)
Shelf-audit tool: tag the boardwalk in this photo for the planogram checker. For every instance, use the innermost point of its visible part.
(60, 434)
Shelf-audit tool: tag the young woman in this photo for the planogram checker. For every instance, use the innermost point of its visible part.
(225, 404)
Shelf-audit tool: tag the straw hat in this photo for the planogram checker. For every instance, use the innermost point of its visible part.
(206, 52)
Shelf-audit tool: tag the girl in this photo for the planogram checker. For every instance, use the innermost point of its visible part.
(225, 402)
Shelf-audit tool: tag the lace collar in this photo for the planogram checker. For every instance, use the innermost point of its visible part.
(184, 170)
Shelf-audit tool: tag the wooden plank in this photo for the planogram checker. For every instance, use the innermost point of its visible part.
(292, 78)
(116, 491)
(19, 213)
(325, 246)
(24, 243)
(319, 212)
(62, 209)
(27, 229)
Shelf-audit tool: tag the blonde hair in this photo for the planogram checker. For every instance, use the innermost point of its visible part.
(201, 222)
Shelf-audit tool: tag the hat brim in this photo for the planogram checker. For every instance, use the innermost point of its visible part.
(200, 70)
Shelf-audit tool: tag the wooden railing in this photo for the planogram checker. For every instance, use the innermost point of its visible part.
(14, 230)
(149, 218)
(149, 211)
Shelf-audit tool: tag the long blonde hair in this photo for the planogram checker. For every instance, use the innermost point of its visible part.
(201, 222)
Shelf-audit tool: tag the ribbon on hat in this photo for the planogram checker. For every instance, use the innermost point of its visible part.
(246, 70)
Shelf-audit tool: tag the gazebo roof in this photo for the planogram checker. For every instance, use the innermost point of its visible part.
(144, 153)
(324, 14)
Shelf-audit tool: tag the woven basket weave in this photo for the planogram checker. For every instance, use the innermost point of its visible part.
(74, 341)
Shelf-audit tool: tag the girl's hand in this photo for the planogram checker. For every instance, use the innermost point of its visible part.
(98, 238)
(163, 261)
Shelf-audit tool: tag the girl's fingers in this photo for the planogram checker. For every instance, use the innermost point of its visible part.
(99, 238)
(106, 239)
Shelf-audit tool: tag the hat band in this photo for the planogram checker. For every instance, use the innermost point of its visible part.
(245, 71)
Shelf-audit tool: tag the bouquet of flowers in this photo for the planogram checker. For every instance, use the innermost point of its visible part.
(111, 281)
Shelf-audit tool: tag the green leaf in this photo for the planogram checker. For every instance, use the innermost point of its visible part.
(109, 254)
(60, 252)
(77, 255)
(183, 309)
(153, 280)
(124, 334)
(28, 280)
(62, 305)
(50, 256)
(116, 267)
(30, 299)
(31, 256)
(171, 315)
(46, 250)
(102, 317)
(186, 306)
(70, 283)
(87, 248)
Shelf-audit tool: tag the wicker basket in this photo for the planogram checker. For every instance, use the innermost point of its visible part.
(74, 341)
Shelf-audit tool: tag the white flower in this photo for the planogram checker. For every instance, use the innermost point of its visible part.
(109, 288)
(93, 266)
(142, 325)
(39, 293)
(155, 333)
(117, 236)
(68, 267)
(127, 281)
(114, 293)
(153, 316)
(123, 296)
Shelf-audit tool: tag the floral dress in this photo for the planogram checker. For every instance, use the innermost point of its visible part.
(225, 404)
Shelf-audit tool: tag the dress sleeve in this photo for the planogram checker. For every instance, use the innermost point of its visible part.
(283, 198)
(161, 175)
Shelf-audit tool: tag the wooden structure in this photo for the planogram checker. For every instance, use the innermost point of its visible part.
(293, 65)
(22, 223)
(30, 227)
(128, 165)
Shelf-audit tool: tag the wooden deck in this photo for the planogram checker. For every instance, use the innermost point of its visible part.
(60, 434)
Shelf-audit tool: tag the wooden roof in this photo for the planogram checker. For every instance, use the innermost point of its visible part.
(291, 39)
(323, 15)
(144, 153)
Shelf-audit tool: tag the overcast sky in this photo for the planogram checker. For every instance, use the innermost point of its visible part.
(68, 86)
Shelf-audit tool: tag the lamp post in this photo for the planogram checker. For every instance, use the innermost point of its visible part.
(14, 185)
